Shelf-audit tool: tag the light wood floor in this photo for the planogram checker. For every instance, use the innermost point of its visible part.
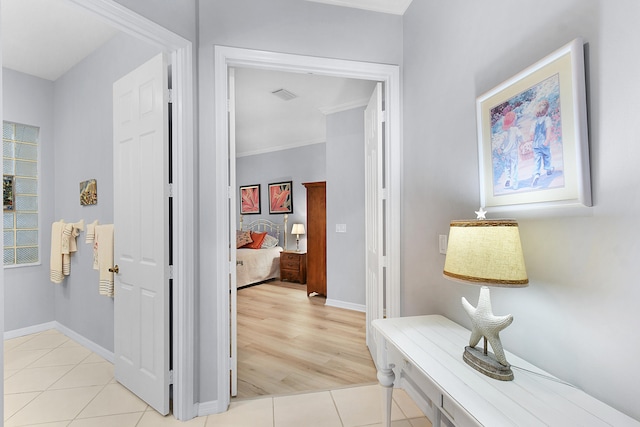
(289, 343)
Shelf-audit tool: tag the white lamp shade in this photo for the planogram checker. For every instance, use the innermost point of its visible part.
(486, 253)
(297, 229)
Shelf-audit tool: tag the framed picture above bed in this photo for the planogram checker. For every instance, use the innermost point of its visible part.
(281, 198)
(250, 199)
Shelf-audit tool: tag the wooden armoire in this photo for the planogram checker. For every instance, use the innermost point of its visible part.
(316, 237)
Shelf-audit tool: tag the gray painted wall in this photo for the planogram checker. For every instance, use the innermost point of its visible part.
(84, 150)
(302, 164)
(289, 26)
(28, 292)
(345, 205)
(578, 317)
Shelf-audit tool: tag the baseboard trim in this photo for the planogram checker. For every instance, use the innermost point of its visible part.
(101, 351)
(16, 333)
(346, 305)
(210, 408)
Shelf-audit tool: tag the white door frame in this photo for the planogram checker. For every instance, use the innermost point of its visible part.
(180, 52)
(226, 57)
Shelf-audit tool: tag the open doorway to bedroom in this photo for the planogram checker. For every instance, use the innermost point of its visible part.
(301, 128)
(386, 225)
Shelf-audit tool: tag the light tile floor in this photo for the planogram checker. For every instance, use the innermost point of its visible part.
(52, 381)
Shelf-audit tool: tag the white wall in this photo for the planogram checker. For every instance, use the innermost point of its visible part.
(345, 205)
(28, 292)
(578, 318)
(289, 26)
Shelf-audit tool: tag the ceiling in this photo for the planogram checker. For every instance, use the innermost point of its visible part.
(396, 7)
(46, 38)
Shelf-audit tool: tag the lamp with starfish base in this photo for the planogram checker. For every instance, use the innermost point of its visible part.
(487, 253)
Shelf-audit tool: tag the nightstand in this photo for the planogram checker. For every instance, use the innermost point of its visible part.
(293, 266)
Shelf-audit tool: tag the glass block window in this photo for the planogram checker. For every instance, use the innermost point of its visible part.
(20, 195)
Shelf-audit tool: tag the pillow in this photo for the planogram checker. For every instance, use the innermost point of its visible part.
(257, 240)
(242, 238)
(269, 242)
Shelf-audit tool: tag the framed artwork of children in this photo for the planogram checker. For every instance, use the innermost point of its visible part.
(250, 199)
(533, 138)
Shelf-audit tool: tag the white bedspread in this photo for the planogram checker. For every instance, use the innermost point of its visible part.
(257, 265)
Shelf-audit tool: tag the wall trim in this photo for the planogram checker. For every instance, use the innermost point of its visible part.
(80, 339)
(346, 305)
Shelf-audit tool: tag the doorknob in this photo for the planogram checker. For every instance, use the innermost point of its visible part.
(115, 269)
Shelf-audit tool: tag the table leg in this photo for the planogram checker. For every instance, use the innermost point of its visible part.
(386, 378)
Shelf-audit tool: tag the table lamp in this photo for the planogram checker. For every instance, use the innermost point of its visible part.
(487, 253)
(297, 229)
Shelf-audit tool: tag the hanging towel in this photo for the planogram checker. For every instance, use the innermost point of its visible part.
(90, 238)
(104, 243)
(69, 245)
(91, 232)
(55, 260)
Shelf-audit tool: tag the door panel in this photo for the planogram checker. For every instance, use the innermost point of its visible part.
(141, 231)
(373, 118)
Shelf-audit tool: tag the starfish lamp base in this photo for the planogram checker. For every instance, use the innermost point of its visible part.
(487, 364)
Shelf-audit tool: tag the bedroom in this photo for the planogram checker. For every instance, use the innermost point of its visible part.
(273, 136)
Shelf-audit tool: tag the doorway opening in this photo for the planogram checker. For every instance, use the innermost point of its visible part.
(225, 152)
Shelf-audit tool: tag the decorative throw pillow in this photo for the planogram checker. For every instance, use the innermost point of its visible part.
(269, 242)
(257, 240)
(242, 238)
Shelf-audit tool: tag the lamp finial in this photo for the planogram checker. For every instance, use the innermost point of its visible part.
(482, 214)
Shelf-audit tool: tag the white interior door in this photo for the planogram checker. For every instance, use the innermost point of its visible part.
(373, 133)
(233, 291)
(141, 228)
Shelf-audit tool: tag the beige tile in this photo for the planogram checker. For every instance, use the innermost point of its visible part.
(18, 359)
(113, 399)
(15, 342)
(302, 409)
(9, 372)
(359, 406)
(54, 405)
(254, 413)
(94, 358)
(153, 419)
(420, 422)
(34, 379)
(43, 341)
(86, 374)
(62, 356)
(406, 404)
(14, 402)
(397, 423)
(120, 420)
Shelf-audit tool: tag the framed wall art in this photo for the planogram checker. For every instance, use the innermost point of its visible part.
(281, 198)
(89, 192)
(250, 199)
(532, 136)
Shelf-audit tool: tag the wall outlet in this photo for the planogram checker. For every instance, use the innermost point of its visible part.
(341, 228)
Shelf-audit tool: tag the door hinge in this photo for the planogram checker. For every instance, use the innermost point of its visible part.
(171, 377)
(171, 272)
(228, 192)
(170, 190)
(170, 95)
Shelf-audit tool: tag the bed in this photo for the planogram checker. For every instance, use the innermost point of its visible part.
(259, 261)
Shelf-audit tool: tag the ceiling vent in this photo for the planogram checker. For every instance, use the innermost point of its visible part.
(284, 94)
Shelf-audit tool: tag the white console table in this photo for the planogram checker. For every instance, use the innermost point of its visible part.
(427, 350)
